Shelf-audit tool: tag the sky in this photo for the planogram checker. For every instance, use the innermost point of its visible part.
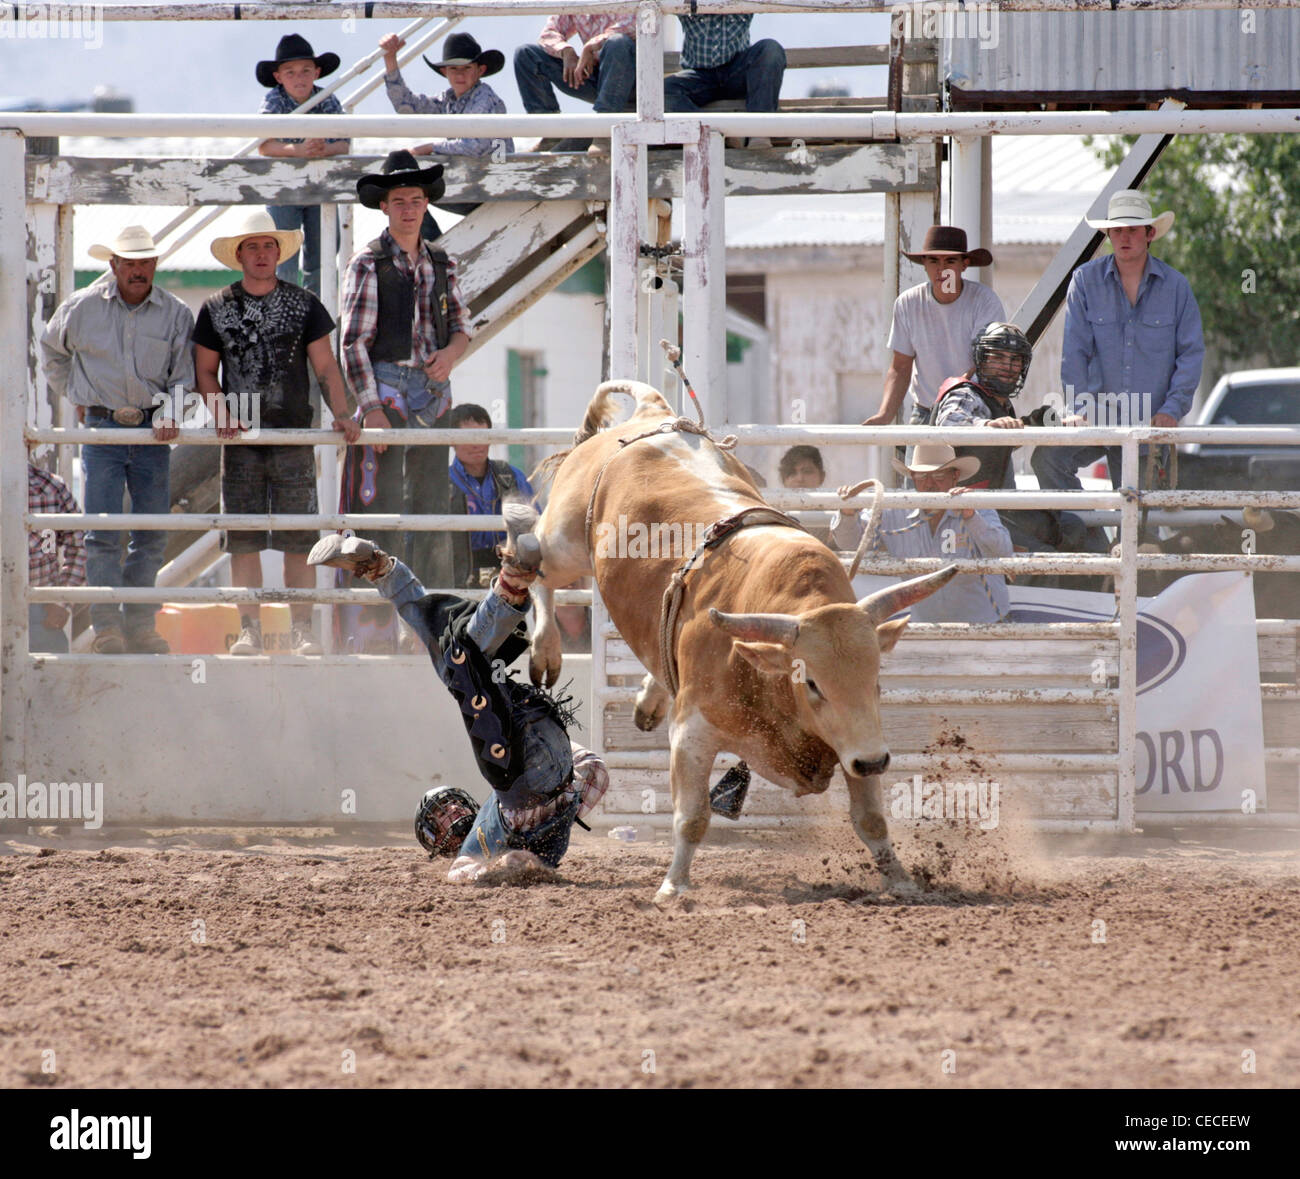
(207, 66)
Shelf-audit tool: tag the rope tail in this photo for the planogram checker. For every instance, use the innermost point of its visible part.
(674, 354)
(873, 520)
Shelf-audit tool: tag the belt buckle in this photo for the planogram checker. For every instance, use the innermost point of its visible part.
(128, 416)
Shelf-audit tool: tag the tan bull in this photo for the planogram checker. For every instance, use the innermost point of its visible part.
(775, 661)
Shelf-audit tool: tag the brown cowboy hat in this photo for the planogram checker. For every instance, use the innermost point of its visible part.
(292, 47)
(400, 170)
(949, 239)
(461, 49)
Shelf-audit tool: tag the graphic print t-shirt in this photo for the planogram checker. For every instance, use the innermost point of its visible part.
(263, 342)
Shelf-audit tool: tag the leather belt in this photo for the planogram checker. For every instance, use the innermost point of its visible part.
(130, 415)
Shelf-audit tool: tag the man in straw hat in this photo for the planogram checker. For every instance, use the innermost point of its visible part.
(119, 351)
(1133, 344)
(404, 328)
(290, 78)
(260, 332)
(948, 532)
(934, 323)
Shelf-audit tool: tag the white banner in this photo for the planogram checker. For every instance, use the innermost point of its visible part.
(1200, 742)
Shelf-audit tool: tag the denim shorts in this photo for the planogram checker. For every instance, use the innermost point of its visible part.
(256, 480)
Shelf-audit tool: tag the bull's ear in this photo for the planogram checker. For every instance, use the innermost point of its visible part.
(768, 658)
(888, 633)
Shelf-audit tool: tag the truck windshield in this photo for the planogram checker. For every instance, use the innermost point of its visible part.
(1260, 405)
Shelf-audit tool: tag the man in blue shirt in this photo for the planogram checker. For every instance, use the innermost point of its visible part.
(1133, 344)
(478, 485)
(719, 62)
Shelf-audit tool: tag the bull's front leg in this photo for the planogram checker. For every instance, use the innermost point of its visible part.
(867, 812)
(691, 760)
(546, 650)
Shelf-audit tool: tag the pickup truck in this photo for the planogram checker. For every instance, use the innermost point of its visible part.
(1252, 397)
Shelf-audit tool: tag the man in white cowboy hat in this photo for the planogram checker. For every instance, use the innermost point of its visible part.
(947, 533)
(119, 351)
(405, 327)
(1133, 344)
(290, 78)
(933, 324)
(252, 342)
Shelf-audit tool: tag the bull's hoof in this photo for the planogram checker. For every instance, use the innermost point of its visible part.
(543, 673)
(903, 886)
(646, 720)
(671, 895)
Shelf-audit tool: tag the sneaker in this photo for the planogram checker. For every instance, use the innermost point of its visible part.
(109, 641)
(302, 641)
(249, 641)
(362, 557)
(147, 641)
(599, 148)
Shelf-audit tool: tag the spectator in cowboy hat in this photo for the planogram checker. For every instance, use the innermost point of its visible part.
(1133, 344)
(947, 533)
(290, 79)
(934, 323)
(119, 351)
(260, 332)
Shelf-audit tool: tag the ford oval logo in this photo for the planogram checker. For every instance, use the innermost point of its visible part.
(1160, 648)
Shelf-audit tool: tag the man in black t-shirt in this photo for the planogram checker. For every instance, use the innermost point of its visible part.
(260, 333)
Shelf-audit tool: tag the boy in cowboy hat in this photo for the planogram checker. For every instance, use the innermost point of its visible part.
(464, 66)
(404, 328)
(934, 323)
(261, 332)
(1133, 344)
(119, 350)
(290, 79)
(948, 532)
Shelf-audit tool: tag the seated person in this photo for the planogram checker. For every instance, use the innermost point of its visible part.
(983, 397)
(478, 487)
(542, 783)
(947, 532)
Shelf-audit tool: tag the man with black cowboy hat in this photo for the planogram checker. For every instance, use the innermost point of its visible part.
(934, 323)
(290, 79)
(464, 66)
(118, 350)
(404, 328)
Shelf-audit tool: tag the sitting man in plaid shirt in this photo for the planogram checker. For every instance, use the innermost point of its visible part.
(53, 558)
(404, 328)
(719, 62)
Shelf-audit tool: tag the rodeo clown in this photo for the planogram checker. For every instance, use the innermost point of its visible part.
(542, 783)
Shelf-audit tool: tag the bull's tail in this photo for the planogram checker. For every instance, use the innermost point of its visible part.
(601, 413)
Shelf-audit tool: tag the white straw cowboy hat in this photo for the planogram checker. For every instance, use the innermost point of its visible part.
(929, 457)
(1131, 207)
(133, 242)
(255, 224)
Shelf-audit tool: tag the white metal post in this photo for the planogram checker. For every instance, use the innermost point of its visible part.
(649, 63)
(1126, 809)
(13, 456)
(966, 189)
(66, 284)
(623, 249)
(704, 274)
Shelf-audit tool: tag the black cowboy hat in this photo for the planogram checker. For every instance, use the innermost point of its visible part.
(400, 170)
(462, 49)
(292, 47)
(949, 239)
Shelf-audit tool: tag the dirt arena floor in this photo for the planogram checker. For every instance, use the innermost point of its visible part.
(290, 958)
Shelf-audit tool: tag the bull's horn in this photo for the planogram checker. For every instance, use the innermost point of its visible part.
(887, 602)
(757, 628)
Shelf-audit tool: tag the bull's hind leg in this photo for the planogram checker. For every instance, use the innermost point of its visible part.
(867, 812)
(563, 562)
(693, 753)
(651, 704)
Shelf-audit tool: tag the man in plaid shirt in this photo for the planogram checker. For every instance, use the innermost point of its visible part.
(53, 558)
(719, 62)
(404, 328)
(603, 75)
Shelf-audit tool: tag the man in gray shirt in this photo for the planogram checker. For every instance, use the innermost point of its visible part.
(119, 351)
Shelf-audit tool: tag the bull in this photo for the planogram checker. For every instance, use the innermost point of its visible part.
(772, 658)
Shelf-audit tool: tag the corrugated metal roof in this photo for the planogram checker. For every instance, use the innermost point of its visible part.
(1246, 51)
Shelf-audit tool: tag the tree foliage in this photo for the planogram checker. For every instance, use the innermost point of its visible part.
(1236, 238)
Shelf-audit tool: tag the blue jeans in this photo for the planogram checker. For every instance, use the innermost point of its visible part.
(609, 89)
(1057, 467)
(109, 471)
(754, 74)
(306, 218)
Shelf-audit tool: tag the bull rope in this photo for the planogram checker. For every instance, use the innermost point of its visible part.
(873, 520)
